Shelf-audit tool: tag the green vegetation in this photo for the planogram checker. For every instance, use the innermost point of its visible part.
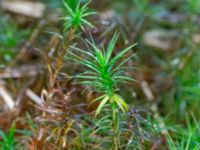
(186, 139)
(76, 15)
(193, 6)
(10, 38)
(103, 74)
(78, 87)
(8, 141)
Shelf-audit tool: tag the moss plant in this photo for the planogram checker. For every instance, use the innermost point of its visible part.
(74, 19)
(103, 74)
(186, 138)
(75, 15)
(7, 141)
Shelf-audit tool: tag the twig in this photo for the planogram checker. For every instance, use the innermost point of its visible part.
(6, 97)
(34, 97)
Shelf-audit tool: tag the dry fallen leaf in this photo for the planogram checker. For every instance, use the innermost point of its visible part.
(31, 9)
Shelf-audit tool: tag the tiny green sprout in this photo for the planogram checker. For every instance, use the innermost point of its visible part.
(75, 17)
(104, 72)
(7, 140)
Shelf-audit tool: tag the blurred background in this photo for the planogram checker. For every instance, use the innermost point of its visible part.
(166, 68)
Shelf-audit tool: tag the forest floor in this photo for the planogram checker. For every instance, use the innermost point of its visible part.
(100, 74)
